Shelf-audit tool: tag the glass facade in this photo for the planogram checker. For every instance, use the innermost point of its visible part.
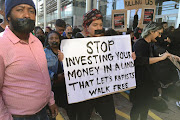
(72, 11)
(166, 11)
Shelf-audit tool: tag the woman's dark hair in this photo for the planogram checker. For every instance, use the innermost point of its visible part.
(129, 31)
(75, 30)
(163, 23)
(52, 31)
(60, 23)
(68, 25)
(170, 29)
(49, 28)
(37, 28)
(110, 32)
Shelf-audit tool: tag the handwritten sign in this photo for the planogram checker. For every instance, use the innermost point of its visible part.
(98, 66)
(119, 20)
(135, 4)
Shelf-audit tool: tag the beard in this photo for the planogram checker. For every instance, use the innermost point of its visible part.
(22, 25)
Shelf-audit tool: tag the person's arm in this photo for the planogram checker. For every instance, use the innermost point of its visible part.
(53, 107)
(135, 21)
(4, 114)
(157, 59)
(176, 57)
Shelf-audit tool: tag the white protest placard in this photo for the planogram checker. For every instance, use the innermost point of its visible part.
(97, 66)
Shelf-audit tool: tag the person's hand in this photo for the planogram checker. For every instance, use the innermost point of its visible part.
(140, 24)
(54, 110)
(159, 96)
(60, 56)
(136, 11)
(176, 57)
(165, 55)
(168, 40)
(133, 55)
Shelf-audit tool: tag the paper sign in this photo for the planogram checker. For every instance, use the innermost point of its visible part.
(97, 66)
(148, 14)
(119, 20)
(135, 4)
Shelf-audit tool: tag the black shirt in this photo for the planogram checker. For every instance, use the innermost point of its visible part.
(79, 35)
(144, 70)
(166, 70)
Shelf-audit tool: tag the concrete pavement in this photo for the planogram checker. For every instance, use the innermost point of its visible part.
(123, 107)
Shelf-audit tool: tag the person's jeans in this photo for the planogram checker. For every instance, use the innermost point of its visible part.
(42, 115)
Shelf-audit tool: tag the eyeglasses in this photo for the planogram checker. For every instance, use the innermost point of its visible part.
(160, 33)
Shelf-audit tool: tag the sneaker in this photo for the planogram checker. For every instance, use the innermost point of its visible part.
(178, 103)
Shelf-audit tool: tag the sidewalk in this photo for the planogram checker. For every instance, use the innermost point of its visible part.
(123, 107)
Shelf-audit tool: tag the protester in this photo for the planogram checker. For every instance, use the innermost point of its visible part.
(170, 33)
(165, 71)
(145, 84)
(60, 26)
(164, 25)
(24, 80)
(68, 32)
(164, 39)
(171, 29)
(82, 34)
(2, 12)
(48, 29)
(137, 26)
(175, 43)
(75, 31)
(131, 33)
(56, 71)
(92, 22)
(39, 33)
(110, 32)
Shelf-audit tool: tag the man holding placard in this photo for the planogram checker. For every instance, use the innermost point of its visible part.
(92, 21)
(95, 67)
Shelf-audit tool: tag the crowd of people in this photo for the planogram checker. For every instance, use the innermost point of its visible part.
(32, 79)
